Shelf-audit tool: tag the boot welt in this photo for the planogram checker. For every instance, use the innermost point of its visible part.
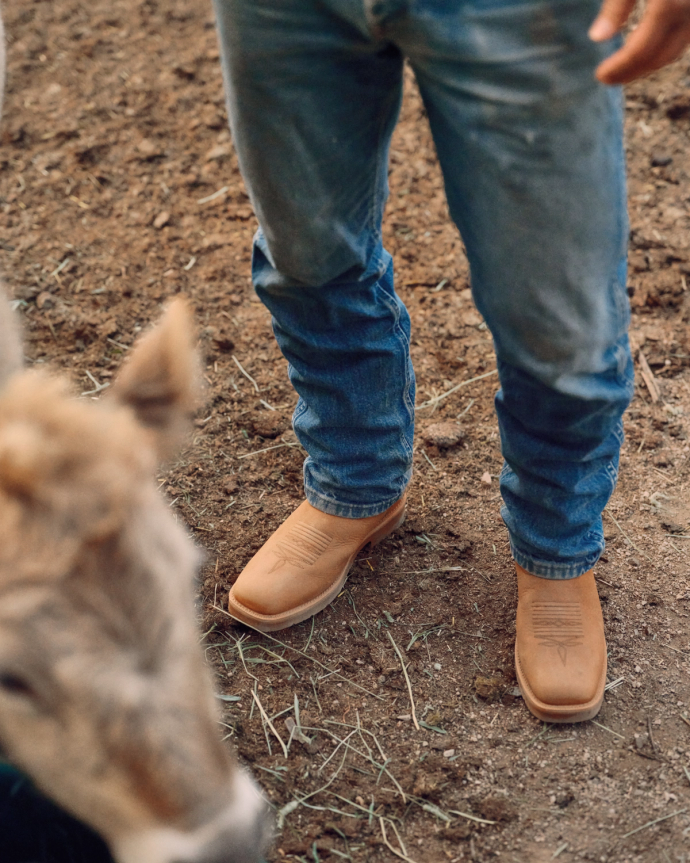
(557, 713)
(275, 622)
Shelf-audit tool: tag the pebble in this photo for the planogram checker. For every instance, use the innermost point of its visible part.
(443, 435)
(486, 478)
(448, 753)
(45, 300)
(161, 220)
(437, 666)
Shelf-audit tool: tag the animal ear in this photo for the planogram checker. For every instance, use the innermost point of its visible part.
(161, 382)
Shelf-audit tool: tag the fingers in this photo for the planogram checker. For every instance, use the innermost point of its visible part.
(648, 48)
(612, 15)
(662, 36)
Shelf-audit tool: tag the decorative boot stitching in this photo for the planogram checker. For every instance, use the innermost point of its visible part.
(302, 546)
(559, 625)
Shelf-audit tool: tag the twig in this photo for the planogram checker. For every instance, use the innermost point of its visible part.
(648, 378)
(98, 386)
(656, 821)
(610, 730)
(269, 723)
(266, 449)
(246, 373)
(389, 846)
(429, 460)
(684, 718)
(407, 679)
(213, 197)
(655, 747)
(437, 399)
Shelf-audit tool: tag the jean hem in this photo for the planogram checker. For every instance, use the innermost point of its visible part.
(553, 569)
(348, 510)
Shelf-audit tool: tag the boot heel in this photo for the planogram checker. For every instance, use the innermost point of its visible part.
(388, 527)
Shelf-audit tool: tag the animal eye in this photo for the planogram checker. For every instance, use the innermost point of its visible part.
(14, 685)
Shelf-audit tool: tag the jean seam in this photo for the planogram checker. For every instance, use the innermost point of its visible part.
(404, 341)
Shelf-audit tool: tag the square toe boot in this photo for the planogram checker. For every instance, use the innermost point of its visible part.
(304, 565)
(560, 649)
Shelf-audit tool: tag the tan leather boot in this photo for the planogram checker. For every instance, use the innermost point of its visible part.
(304, 565)
(560, 649)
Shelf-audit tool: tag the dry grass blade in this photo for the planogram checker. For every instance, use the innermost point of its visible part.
(381, 767)
(656, 821)
(407, 679)
(471, 817)
(303, 655)
(266, 449)
(388, 844)
(437, 399)
(298, 801)
(610, 730)
(269, 723)
(246, 373)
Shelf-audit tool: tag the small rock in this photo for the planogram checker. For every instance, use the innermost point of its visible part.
(268, 424)
(660, 160)
(161, 220)
(488, 687)
(444, 435)
(220, 151)
(498, 809)
(45, 300)
(437, 666)
(486, 478)
(215, 241)
(230, 486)
(326, 649)
(641, 741)
(448, 753)
(149, 149)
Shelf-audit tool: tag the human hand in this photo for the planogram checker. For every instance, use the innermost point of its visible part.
(661, 37)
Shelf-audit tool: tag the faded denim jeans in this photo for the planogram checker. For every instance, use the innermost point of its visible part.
(532, 157)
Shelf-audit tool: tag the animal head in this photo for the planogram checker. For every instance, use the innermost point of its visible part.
(105, 700)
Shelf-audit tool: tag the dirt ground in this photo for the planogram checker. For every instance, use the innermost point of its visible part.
(119, 188)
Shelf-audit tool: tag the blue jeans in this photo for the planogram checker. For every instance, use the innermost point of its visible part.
(532, 157)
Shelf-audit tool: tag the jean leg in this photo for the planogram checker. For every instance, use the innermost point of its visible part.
(531, 150)
(312, 102)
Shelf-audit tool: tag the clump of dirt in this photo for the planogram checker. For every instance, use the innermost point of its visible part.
(119, 189)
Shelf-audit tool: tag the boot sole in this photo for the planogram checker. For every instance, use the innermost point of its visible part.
(559, 713)
(276, 622)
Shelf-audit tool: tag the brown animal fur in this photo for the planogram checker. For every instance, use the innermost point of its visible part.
(104, 697)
